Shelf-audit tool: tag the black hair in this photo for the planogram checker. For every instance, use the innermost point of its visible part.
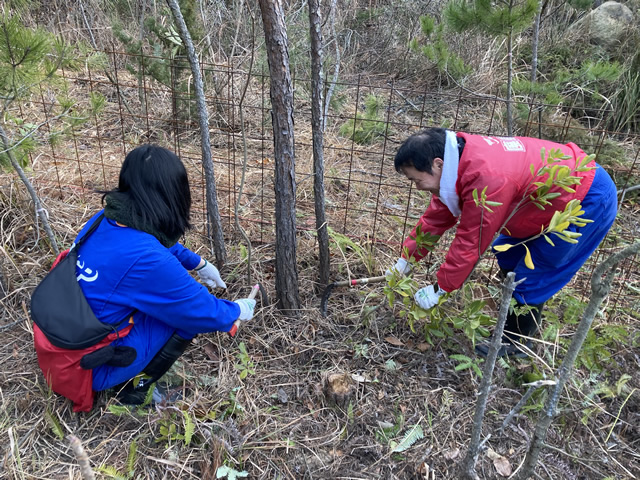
(154, 184)
(420, 149)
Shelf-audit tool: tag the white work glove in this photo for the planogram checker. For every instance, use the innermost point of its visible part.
(247, 306)
(402, 267)
(210, 275)
(428, 297)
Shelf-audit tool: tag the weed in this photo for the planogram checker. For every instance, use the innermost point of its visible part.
(388, 430)
(361, 350)
(365, 254)
(230, 473)
(245, 365)
(112, 472)
(54, 423)
(231, 407)
(366, 128)
(466, 363)
(169, 431)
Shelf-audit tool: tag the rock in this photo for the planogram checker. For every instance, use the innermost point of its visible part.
(607, 26)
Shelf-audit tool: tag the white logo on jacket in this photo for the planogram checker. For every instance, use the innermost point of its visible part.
(89, 277)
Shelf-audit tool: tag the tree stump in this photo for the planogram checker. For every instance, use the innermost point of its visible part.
(339, 388)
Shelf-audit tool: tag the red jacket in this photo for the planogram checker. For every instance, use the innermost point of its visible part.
(503, 165)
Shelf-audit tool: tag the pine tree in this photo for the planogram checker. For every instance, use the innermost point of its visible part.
(505, 18)
(29, 60)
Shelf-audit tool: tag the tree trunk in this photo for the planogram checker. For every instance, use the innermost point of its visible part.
(275, 34)
(317, 127)
(213, 211)
(534, 43)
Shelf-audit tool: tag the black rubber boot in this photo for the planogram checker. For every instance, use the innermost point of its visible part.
(526, 323)
(135, 394)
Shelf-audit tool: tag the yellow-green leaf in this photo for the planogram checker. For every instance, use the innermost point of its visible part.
(527, 259)
(549, 241)
(502, 248)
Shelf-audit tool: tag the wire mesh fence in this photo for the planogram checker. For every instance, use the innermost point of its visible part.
(366, 120)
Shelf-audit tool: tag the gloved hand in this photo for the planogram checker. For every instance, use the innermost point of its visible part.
(428, 297)
(210, 275)
(247, 306)
(402, 267)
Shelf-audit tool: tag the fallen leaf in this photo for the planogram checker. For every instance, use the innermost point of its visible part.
(451, 454)
(423, 347)
(502, 465)
(211, 352)
(282, 396)
(394, 341)
(424, 469)
(360, 378)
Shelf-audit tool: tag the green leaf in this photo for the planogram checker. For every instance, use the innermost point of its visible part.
(131, 458)
(549, 240)
(189, 428)
(54, 423)
(224, 471)
(118, 409)
(411, 437)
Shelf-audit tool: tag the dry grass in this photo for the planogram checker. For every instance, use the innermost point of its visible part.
(277, 422)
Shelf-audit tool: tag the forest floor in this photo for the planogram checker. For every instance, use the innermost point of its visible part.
(258, 403)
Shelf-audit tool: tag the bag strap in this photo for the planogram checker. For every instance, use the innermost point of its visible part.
(92, 228)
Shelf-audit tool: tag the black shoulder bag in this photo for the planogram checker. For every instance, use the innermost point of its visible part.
(60, 309)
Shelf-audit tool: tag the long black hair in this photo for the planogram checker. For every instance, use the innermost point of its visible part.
(154, 185)
(420, 149)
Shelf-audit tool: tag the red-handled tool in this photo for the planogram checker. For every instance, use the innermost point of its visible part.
(236, 324)
(344, 283)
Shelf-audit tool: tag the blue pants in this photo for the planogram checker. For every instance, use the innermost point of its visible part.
(147, 336)
(556, 266)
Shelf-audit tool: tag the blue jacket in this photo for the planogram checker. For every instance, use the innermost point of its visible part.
(123, 271)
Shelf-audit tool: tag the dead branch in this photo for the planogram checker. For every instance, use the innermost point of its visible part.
(82, 457)
(41, 213)
(245, 154)
(469, 462)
